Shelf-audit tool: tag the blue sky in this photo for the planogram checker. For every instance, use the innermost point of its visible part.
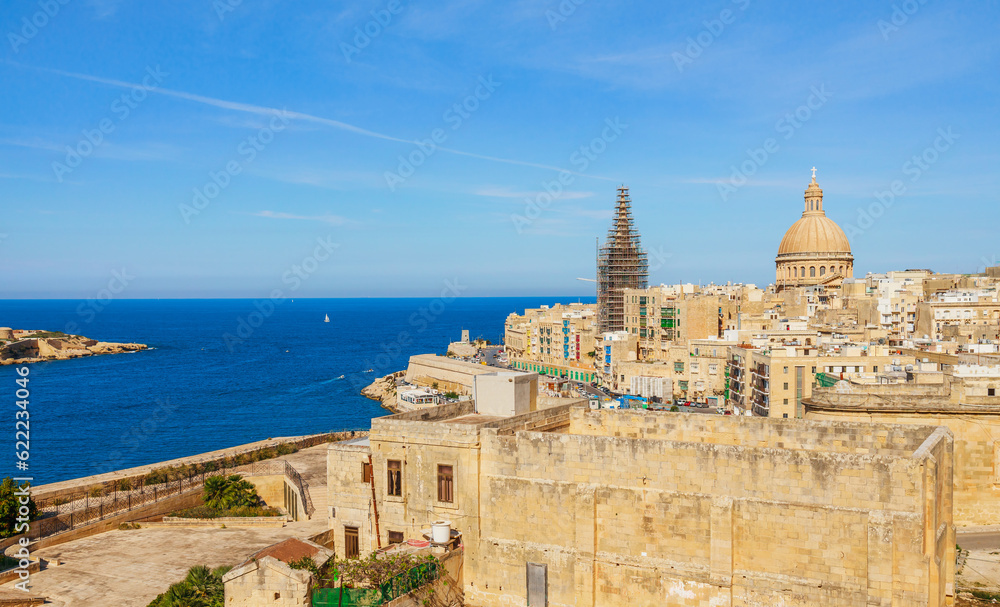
(303, 121)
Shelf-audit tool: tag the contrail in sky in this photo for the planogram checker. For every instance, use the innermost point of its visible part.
(266, 111)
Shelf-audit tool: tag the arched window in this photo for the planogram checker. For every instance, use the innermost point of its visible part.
(812, 271)
(796, 271)
(802, 271)
(822, 270)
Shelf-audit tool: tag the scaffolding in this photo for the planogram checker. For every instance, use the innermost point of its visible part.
(621, 264)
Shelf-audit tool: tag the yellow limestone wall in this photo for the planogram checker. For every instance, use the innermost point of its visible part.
(635, 508)
(627, 521)
(977, 456)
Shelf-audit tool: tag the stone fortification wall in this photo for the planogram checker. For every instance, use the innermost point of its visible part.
(449, 374)
(977, 443)
(637, 521)
(837, 437)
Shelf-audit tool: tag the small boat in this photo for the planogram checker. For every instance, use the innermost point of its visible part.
(341, 377)
(327, 319)
(369, 370)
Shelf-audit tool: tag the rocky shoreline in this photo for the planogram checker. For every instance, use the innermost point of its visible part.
(383, 390)
(21, 347)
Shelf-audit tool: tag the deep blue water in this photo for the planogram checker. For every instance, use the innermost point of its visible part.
(193, 392)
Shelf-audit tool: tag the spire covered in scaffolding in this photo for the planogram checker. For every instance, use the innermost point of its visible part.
(621, 264)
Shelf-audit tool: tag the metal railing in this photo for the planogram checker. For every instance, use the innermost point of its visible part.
(59, 517)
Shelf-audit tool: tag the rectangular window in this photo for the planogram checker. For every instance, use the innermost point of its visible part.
(991, 391)
(366, 473)
(446, 484)
(352, 548)
(395, 537)
(395, 486)
(786, 385)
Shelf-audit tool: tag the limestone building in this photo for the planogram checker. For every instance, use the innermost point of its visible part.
(557, 340)
(966, 401)
(815, 250)
(624, 507)
(772, 381)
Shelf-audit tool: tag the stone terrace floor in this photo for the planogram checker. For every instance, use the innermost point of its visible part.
(129, 568)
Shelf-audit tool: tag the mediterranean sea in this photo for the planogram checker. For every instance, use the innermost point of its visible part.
(219, 373)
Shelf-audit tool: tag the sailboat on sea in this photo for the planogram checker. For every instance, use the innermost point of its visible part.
(327, 319)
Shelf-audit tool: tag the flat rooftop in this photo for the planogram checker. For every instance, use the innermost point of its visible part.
(474, 419)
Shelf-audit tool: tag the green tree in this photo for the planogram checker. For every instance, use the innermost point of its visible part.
(201, 588)
(227, 492)
(10, 506)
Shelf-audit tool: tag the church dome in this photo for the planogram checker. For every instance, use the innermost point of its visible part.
(814, 251)
(814, 234)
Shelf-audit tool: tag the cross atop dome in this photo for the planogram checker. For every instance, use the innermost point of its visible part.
(814, 173)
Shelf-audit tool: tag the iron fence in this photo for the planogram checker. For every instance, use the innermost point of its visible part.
(57, 515)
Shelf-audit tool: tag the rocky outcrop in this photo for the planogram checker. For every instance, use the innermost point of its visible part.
(62, 347)
(383, 390)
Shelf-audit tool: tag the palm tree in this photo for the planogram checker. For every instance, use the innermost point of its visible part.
(215, 489)
(227, 492)
(204, 582)
(183, 594)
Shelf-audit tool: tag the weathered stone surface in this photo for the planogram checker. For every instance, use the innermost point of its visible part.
(32, 350)
(636, 508)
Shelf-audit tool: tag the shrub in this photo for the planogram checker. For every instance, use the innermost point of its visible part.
(374, 570)
(286, 449)
(451, 395)
(96, 491)
(7, 562)
(982, 594)
(9, 508)
(242, 512)
(228, 492)
(306, 563)
(201, 588)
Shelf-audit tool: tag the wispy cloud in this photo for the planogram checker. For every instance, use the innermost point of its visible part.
(268, 111)
(28, 177)
(104, 8)
(34, 144)
(504, 192)
(335, 220)
(321, 178)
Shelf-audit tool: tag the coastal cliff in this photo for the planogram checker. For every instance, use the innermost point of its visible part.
(20, 347)
(383, 390)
